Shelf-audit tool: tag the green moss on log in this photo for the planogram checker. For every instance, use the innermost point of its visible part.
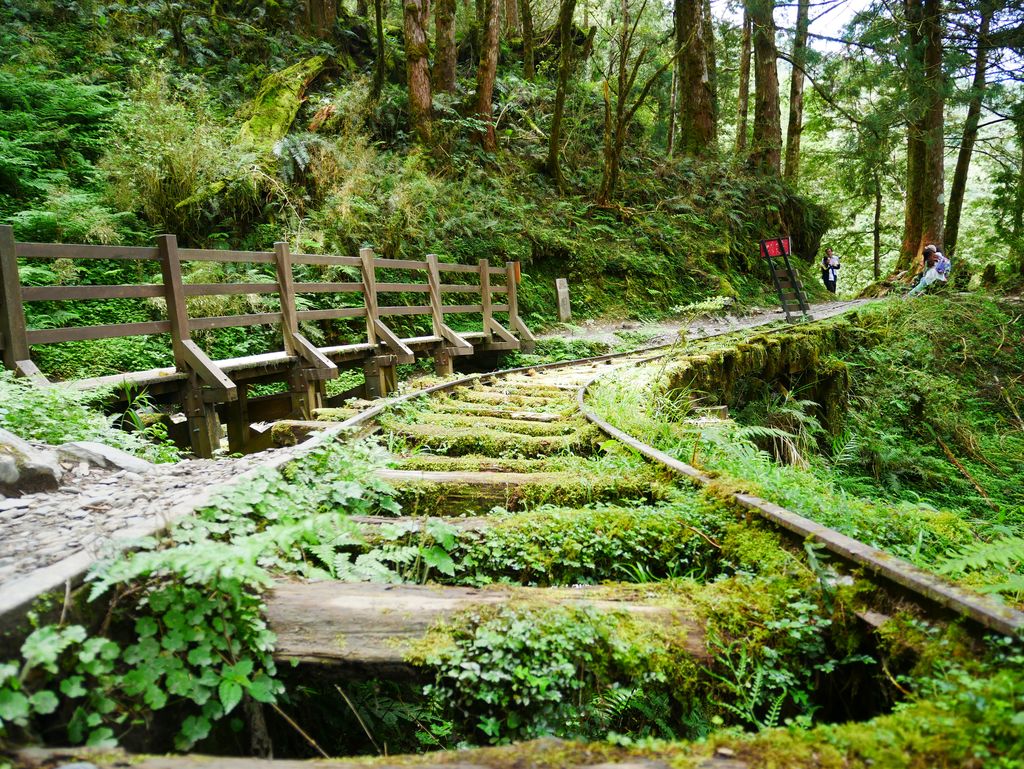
(278, 101)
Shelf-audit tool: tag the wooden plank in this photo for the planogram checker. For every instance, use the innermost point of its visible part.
(233, 321)
(337, 312)
(109, 331)
(461, 288)
(371, 627)
(12, 313)
(500, 308)
(216, 255)
(399, 264)
(485, 298)
(393, 288)
(450, 309)
(396, 345)
(403, 310)
(369, 274)
(75, 251)
(327, 288)
(447, 267)
(327, 260)
(229, 289)
(79, 293)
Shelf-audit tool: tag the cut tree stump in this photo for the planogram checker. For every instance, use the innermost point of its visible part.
(368, 629)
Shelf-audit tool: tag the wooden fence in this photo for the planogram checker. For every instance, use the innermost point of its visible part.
(203, 382)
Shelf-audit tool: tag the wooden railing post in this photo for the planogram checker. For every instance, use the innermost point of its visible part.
(286, 285)
(442, 354)
(203, 424)
(174, 294)
(515, 323)
(12, 311)
(369, 293)
(485, 298)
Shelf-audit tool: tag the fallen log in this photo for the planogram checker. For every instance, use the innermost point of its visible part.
(368, 629)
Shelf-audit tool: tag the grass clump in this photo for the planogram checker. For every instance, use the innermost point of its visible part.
(59, 414)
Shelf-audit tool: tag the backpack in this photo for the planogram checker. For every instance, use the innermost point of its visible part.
(942, 266)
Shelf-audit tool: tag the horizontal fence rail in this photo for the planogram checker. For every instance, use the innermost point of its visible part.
(205, 381)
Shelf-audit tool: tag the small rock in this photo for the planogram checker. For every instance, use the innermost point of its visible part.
(24, 468)
(725, 752)
(103, 456)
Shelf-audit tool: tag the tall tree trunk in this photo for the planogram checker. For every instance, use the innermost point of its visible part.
(416, 16)
(485, 76)
(696, 107)
(744, 88)
(511, 17)
(796, 92)
(876, 230)
(672, 110)
(379, 63)
(566, 8)
(712, 64)
(923, 219)
(320, 17)
(528, 57)
(766, 144)
(362, 9)
(444, 43)
(963, 160)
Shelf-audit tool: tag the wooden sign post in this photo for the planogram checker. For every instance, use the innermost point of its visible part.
(564, 309)
(787, 281)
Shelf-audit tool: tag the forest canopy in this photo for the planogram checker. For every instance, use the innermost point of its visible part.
(613, 141)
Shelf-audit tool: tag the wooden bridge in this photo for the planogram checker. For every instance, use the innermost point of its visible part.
(210, 390)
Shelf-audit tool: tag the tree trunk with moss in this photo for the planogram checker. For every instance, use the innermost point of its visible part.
(766, 145)
(444, 43)
(743, 105)
(696, 105)
(485, 77)
(566, 8)
(417, 69)
(379, 63)
(796, 92)
(320, 17)
(925, 205)
(528, 55)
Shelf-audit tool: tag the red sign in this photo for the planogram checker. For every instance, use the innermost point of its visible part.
(775, 246)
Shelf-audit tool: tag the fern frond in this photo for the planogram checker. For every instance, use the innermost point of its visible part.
(1006, 552)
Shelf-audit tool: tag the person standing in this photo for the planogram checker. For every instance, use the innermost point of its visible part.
(829, 270)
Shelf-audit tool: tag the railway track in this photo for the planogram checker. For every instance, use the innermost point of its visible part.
(516, 440)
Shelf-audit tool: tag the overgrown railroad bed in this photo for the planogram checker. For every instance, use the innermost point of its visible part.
(551, 582)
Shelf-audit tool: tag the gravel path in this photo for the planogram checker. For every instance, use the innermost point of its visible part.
(50, 537)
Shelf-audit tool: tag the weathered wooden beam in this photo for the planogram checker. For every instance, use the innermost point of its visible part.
(529, 341)
(12, 312)
(459, 346)
(369, 274)
(30, 371)
(485, 294)
(403, 353)
(208, 371)
(370, 628)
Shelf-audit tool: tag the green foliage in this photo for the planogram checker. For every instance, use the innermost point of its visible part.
(52, 131)
(193, 604)
(58, 414)
(521, 673)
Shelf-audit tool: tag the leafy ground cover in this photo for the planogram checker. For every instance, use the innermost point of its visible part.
(926, 461)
